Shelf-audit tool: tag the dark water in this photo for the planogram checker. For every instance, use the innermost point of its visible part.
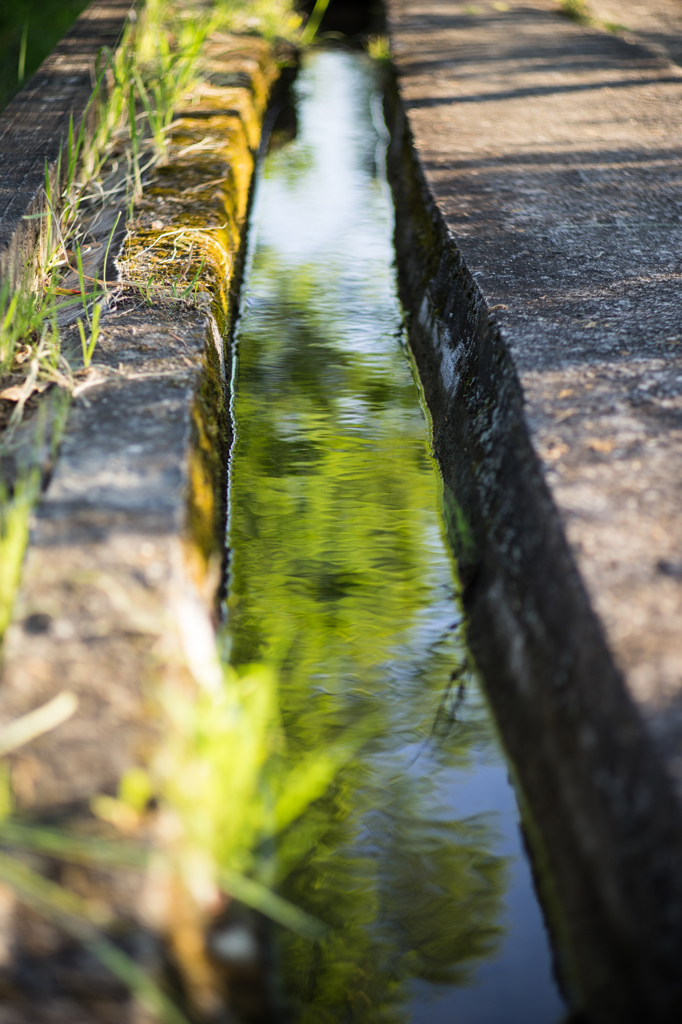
(340, 577)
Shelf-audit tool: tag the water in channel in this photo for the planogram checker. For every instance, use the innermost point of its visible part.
(340, 577)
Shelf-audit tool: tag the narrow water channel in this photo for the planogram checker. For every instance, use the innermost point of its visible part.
(341, 579)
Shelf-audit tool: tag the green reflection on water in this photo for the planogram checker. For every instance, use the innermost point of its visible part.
(340, 579)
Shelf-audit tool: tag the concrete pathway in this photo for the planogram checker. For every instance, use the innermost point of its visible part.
(539, 235)
(554, 151)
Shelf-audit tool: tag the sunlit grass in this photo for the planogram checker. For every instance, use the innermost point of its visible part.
(220, 788)
(576, 10)
(138, 89)
(14, 514)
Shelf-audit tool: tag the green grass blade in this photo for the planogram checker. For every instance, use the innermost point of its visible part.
(21, 69)
(81, 920)
(137, 980)
(84, 342)
(260, 898)
(49, 899)
(81, 280)
(14, 514)
(94, 331)
(72, 848)
(106, 254)
(313, 24)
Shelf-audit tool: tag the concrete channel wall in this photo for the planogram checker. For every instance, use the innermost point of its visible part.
(536, 169)
(123, 569)
(535, 165)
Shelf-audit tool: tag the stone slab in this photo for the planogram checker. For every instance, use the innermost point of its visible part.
(539, 235)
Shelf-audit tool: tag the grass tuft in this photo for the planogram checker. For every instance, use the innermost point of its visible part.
(576, 10)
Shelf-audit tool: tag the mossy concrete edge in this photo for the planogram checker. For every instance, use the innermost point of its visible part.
(119, 590)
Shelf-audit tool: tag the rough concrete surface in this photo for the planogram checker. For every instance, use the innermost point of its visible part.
(540, 246)
(124, 561)
(657, 25)
(554, 153)
(136, 489)
(106, 548)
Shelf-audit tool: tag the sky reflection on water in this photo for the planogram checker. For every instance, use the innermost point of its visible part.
(340, 578)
